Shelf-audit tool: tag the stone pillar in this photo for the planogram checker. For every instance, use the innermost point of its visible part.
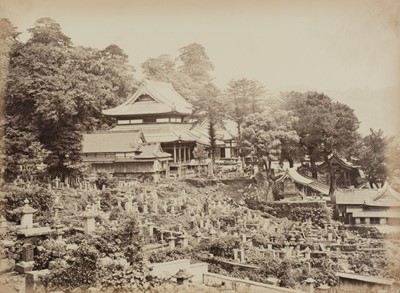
(307, 253)
(242, 259)
(59, 232)
(156, 177)
(162, 237)
(367, 221)
(184, 240)
(235, 254)
(218, 224)
(171, 242)
(330, 236)
(212, 234)
(198, 236)
(57, 182)
(27, 259)
(151, 230)
(244, 238)
(382, 221)
(269, 246)
(210, 172)
(31, 279)
(128, 204)
(89, 224)
(357, 220)
(145, 210)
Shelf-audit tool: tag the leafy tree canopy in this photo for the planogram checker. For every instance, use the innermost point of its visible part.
(266, 134)
(243, 97)
(56, 91)
(188, 73)
(324, 126)
(372, 156)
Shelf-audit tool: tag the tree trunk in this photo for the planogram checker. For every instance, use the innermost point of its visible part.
(291, 162)
(332, 176)
(332, 180)
(313, 168)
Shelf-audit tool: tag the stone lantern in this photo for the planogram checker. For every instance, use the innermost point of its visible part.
(89, 224)
(57, 207)
(310, 285)
(198, 236)
(184, 240)
(151, 228)
(182, 277)
(27, 215)
(171, 241)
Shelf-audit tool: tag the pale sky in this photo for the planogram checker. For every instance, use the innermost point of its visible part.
(348, 49)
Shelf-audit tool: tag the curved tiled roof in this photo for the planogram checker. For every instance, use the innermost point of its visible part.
(304, 180)
(111, 142)
(165, 99)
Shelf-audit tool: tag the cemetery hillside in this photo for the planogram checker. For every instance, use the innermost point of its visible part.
(169, 182)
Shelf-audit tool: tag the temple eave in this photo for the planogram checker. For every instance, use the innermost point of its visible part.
(141, 115)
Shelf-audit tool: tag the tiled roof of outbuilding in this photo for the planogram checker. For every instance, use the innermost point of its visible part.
(112, 142)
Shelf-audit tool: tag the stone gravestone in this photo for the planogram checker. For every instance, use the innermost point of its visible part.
(27, 252)
(27, 259)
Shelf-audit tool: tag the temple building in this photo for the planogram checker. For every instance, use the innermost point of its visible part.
(294, 184)
(126, 155)
(369, 206)
(165, 121)
(347, 173)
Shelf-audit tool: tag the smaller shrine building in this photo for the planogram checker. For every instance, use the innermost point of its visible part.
(369, 206)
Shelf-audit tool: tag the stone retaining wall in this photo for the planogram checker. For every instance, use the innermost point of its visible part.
(229, 283)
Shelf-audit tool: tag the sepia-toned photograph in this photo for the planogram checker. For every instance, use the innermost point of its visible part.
(180, 146)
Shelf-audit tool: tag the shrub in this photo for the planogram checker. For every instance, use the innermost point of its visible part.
(80, 272)
(103, 178)
(107, 201)
(116, 213)
(317, 212)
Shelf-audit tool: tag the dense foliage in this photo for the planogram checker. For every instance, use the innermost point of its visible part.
(314, 211)
(112, 260)
(39, 198)
(372, 157)
(324, 127)
(268, 134)
(55, 91)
